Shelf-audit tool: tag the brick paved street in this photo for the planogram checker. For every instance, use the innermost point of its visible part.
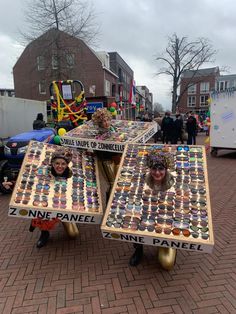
(91, 274)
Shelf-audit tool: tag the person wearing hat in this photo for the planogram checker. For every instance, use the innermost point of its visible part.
(158, 179)
(60, 163)
(59, 168)
(102, 119)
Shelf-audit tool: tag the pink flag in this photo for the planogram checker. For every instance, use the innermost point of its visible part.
(132, 93)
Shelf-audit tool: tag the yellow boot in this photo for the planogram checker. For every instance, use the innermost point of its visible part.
(166, 257)
(71, 229)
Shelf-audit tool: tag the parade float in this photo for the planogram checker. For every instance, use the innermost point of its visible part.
(223, 116)
(48, 199)
(108, 137)
(67, 102)
(178, 218)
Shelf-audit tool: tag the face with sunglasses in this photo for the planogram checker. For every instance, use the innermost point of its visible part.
(158, 172)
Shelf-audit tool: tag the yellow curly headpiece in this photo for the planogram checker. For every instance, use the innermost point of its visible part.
(100, 115)
(156, 157)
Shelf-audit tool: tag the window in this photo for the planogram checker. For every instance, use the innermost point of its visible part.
(42, 87)
(92, 89)
(120, 75)
(40, 63)
(113, 90)
(107, 88)
(70, 60)
(222, 85)
(203, 100)
(192, 89)
(54, 62)
(191, 101)
(204, 87)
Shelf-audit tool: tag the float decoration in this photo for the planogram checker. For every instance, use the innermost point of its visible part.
(64, 105)
(90, 136)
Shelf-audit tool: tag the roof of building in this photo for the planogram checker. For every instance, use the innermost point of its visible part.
(200, 72)
(226, 77)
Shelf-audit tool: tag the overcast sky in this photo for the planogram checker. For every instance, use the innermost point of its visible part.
(138, 31)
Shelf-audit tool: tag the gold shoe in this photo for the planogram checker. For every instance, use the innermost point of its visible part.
(167, 257)
(71, 229)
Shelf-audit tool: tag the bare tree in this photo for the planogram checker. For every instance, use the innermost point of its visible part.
(52, 22)
(75, 17)
(181, 55)
(158, 108)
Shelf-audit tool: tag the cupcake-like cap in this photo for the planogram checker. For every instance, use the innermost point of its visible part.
(156, 158)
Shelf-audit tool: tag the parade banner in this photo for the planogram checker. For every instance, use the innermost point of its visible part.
(87, 136)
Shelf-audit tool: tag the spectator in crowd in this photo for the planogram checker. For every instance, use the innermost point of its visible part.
(167, 128)
(146, 116)
(191, 128)
(178, 129)
(39, 123)
(158, 135)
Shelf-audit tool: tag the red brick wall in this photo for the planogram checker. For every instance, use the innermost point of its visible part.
(88, 68)
(185, 82)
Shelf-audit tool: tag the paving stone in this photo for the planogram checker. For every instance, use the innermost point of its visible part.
(91, 274)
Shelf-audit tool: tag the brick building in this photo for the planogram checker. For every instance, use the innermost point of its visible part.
(147, 98)
(58, 56)
(195, 88)
(125, 76)
(225, 82)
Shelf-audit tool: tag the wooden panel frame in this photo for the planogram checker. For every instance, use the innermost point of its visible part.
(152, 238)
(106, 145)
(66, 215)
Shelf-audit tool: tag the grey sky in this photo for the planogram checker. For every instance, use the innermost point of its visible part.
(138, 30)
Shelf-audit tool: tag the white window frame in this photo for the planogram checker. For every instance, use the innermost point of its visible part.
(204, 103)
(204, 87)
(42, 87)
(107, 88)
(40, 63)
(55, 62)
(70, 60)
(222, 85)
(192, 88)
(191, 101)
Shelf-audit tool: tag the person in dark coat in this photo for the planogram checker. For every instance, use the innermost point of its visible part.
(178, 129)
(191, 128)
(167, 128)
(38, 124)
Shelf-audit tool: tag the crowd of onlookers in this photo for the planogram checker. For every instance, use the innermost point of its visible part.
(174, 129)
